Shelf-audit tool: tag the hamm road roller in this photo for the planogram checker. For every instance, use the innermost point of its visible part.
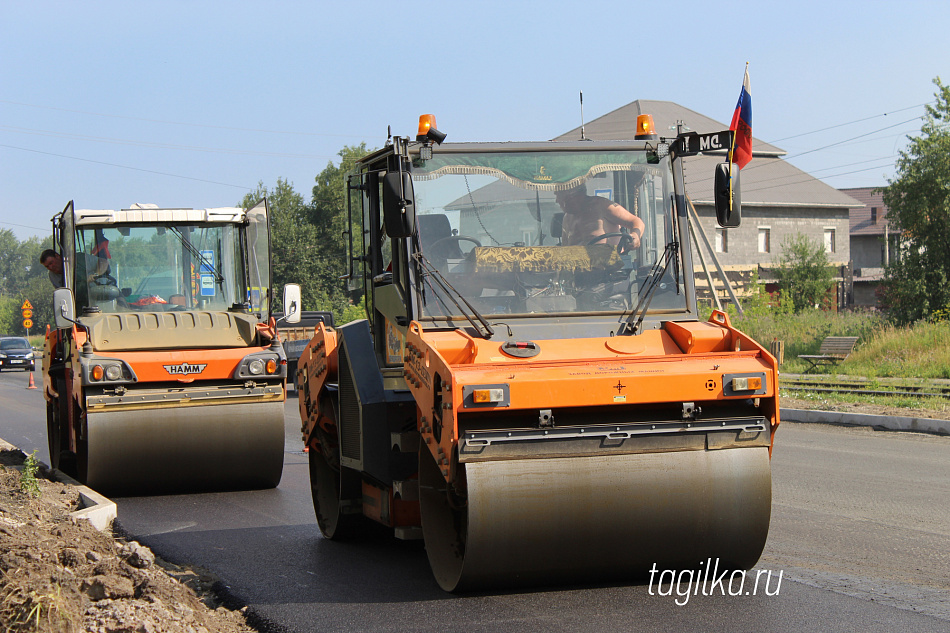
(533, 392)
(164, 372)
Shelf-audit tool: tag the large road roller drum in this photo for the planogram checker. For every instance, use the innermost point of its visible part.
(594, 518)
(229, 446)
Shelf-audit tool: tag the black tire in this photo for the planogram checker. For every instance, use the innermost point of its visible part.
(56, 432)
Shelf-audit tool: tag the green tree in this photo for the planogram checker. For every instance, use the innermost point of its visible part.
(22, 278)
(803, 273)
(293, 239)
(17, 259)
(918, 200)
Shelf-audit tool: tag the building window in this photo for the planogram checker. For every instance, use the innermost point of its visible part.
(765, 242)
(722, 241)
(873, 215)
(829, 240)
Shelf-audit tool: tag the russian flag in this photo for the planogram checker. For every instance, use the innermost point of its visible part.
(741, 124)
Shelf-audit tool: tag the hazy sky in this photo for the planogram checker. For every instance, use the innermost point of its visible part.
(191, 104)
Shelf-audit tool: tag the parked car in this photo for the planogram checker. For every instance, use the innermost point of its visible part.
(16, 353)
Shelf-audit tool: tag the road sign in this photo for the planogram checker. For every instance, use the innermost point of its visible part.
(27, 323)
(26, 305)
(27, 314)
(693, 143)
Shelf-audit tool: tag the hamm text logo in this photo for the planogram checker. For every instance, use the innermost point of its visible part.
(184, 368)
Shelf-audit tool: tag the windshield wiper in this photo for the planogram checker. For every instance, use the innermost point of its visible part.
(473, 316)
(202, 261)
(631, 328)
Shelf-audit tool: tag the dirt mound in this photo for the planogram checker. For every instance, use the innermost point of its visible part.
(61, 574)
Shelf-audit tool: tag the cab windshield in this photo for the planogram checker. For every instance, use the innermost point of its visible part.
(556, 233)
(159, 268)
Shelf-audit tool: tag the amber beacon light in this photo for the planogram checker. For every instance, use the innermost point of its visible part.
(645, 129)
(427, 130)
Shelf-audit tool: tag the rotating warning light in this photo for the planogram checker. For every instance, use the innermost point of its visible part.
(427, 130)
(645, 128)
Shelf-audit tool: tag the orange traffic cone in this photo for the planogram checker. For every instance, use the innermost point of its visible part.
(32, 385)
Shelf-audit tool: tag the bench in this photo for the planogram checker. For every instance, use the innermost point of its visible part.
(833, 350)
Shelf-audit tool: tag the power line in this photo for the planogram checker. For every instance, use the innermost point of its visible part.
(860, 162)
(810, 179)
(832, 127)
(202, 125)
(848, 140)
(25, 226)
(119, 141)
(148, 171)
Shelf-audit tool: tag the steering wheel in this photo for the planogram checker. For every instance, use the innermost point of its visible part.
(105, 279)
(625, 239)
(443, 243)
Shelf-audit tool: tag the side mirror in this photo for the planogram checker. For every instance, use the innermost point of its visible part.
(728, 211)
(557, 224)
(64, 308)
(292, 303)
(399, 209)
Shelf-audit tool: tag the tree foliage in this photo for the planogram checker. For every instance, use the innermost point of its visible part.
(918, 201)
(804, 273)
(23, 278)
(307, 239)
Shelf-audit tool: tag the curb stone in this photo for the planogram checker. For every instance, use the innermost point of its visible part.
(889, 422)
(93, 507)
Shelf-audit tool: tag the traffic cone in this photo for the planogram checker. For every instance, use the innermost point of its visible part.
(32, 385)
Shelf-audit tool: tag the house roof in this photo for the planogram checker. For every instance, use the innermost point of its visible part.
(766, 181)
(862, 216)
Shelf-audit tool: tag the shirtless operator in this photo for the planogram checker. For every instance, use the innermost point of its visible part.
(586, 217)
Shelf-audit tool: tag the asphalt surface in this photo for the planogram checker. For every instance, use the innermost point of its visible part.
(860, 534)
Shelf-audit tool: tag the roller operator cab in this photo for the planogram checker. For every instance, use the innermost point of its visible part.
(164, 371)
(533, 392)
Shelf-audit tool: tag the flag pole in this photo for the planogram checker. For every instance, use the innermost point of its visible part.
(732, 145)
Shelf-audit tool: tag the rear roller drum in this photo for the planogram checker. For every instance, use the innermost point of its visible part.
(334, 498)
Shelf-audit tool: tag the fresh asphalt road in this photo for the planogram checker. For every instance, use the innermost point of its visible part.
(860, 532)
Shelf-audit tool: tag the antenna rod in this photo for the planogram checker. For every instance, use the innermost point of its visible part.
(583, 138)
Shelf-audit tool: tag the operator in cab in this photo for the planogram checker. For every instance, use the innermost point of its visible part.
(586, 217)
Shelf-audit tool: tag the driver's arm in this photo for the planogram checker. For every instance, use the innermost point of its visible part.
(624, 218)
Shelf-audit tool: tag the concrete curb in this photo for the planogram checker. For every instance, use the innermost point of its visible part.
(93, 507)
(889, 422)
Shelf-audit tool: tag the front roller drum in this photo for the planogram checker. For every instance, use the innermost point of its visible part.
(185, 449)
(552, 521)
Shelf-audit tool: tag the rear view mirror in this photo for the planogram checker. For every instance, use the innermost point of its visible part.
(64, 308)
(399, 210)
(728, 203)
(292, 303)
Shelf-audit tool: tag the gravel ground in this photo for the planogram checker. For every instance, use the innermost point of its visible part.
(61, 574)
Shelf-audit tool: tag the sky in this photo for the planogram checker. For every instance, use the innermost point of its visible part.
(192, 104)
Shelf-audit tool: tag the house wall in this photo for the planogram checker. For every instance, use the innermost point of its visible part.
(867, 251)
(742, 247)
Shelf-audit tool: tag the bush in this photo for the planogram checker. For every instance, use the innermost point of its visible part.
(804, 274)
